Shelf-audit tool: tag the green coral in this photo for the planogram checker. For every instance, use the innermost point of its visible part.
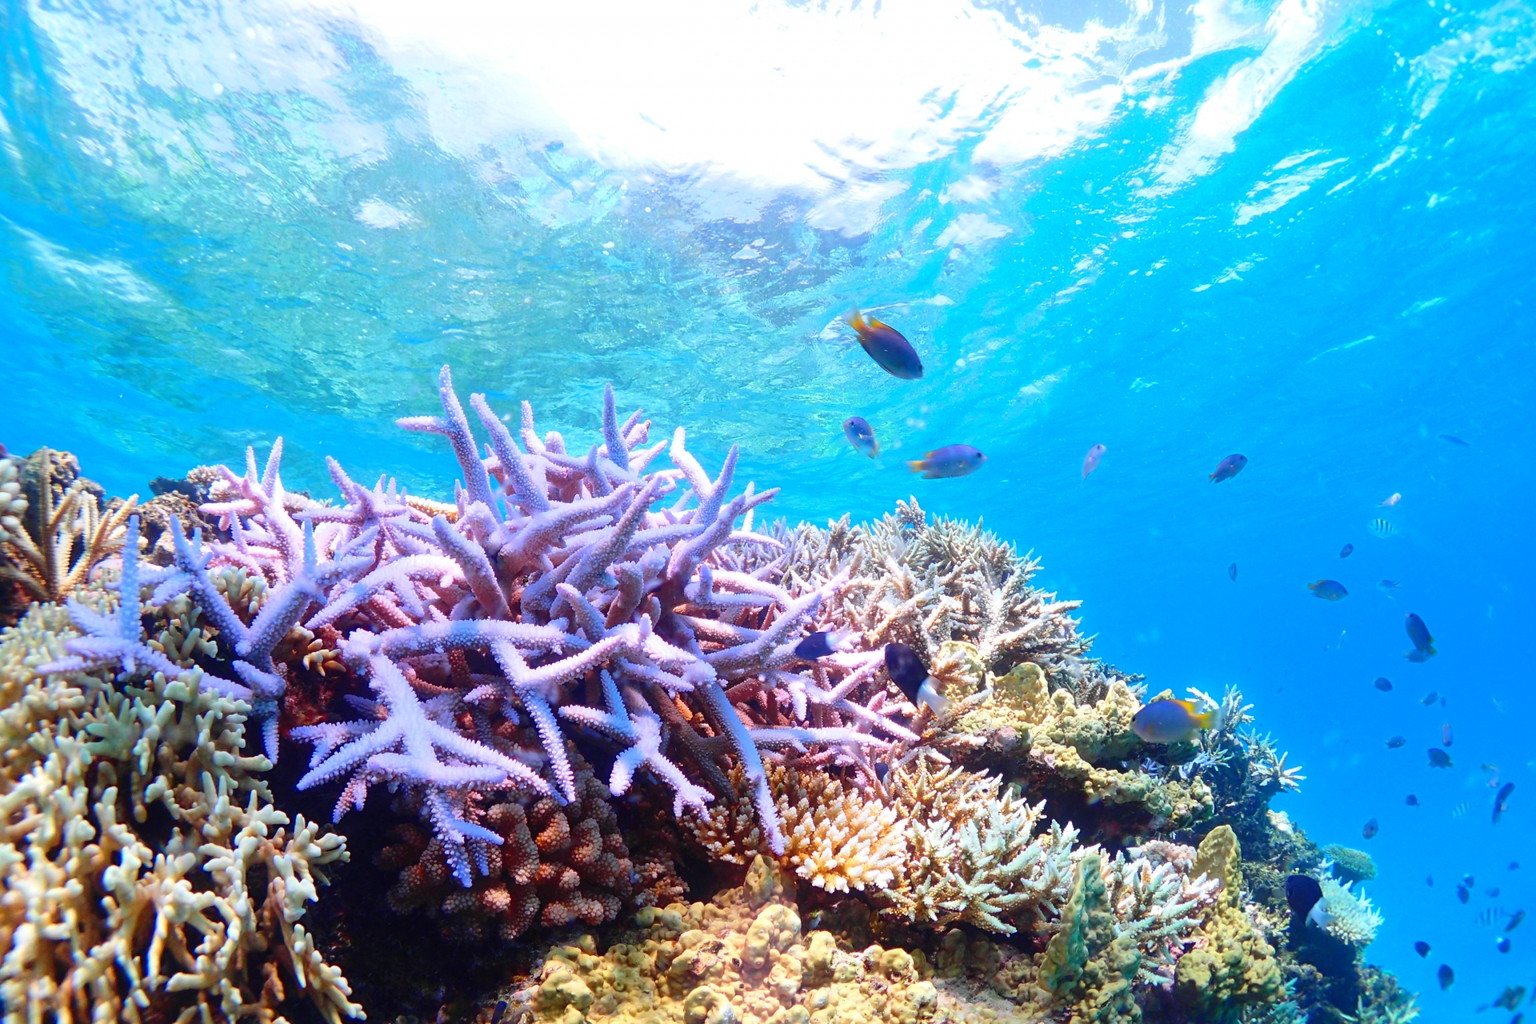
(1349, 864)
(1089, 967)
(1231, 969)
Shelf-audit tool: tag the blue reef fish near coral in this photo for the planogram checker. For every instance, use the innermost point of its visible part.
(559, 685)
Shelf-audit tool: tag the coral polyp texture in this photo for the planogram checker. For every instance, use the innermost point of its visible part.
(568, 691)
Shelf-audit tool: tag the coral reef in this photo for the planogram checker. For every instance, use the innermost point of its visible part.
(569, 689)
(1349, 864)
(146, 874)
(53, 529)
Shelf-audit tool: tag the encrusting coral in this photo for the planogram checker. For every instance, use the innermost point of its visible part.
(146, 874)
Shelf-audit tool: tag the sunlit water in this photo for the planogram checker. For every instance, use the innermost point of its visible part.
(1300, 231)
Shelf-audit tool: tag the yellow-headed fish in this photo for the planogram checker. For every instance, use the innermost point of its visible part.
(1173, 721)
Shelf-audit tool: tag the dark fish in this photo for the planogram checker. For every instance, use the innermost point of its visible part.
(1346, 550)
(1453, 439)
(1446, 976)
(1439, 758)
(1421, 947)
(1429, 880)
(819, 645)
(909, 673)
(1514, 920)
(1463, 893)
(1514, 865)
(1412, 800)
(1429, 698)
(949, 461)
(1501, 801)
(1423, 643)
(1492, 892)
(886, 346)
(1228, 468)
(1370, 829)
(1445, 734)
(1091, 460)
(1232, 572)
(1302, 893)
(1468, 881)
(1503, 944)
(1328, 590)
(1510, 998)
(1394, 742)
(1383, 684)
(861, 435)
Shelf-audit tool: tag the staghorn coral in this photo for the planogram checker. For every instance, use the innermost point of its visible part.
(554, 865)
(146, 874)
(53, 530)
(1231, 969)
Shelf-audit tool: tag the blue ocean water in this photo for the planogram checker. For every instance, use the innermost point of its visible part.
(1298, 230)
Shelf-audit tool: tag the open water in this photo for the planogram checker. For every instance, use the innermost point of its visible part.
(1300, 230)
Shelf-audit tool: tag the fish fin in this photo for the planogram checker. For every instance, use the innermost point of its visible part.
(929, 455)
(917, 465)
(929, 694)
(853, 318)
(874, 449)
(1209, 719)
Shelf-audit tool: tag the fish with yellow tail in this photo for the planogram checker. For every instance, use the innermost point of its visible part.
(886, 346)
(1173, 721)
(950, 461)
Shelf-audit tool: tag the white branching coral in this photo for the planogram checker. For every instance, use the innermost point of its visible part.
(1346, 914)
(105, 916)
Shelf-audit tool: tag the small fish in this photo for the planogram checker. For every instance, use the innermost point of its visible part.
(1421, 947)
(1460, 810)
(1503, 944)
(1447, 976)
(861, 435)
(1489, 915)
(1390, 501)
(886, 346)
(499, 1012)
(1514, 920)
(1445, 734)
(1429, 698)
(1492, 892)
(1173, 721)
(1439, 758)
(1370, 829)
(1328, 590)
(950, 461)
(1453, 439)
(1429, 880)
(1232, 572)
(1228, 468)
(1510, 998)
(1418, 634)
(1468, 881)
(1514, 865)
(1501, 802)
(1463, 893)
(1091, 460)
(910, 674)
(1383, 684)
(819, 645)
(1346, 550)
(1412, 801)
(1394, 742)
(1381, 528)
(1388, 586)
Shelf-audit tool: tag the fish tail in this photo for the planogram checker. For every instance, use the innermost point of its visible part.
(917, 465)
(874, 449)
(1211, 719)
(853, 318)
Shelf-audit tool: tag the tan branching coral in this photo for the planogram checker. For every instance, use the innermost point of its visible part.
(556, 865)
(146, 875)
(53, 529)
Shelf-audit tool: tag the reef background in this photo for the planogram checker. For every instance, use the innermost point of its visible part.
(1183, 260)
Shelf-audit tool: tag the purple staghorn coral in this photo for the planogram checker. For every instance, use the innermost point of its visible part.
(561, 596)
